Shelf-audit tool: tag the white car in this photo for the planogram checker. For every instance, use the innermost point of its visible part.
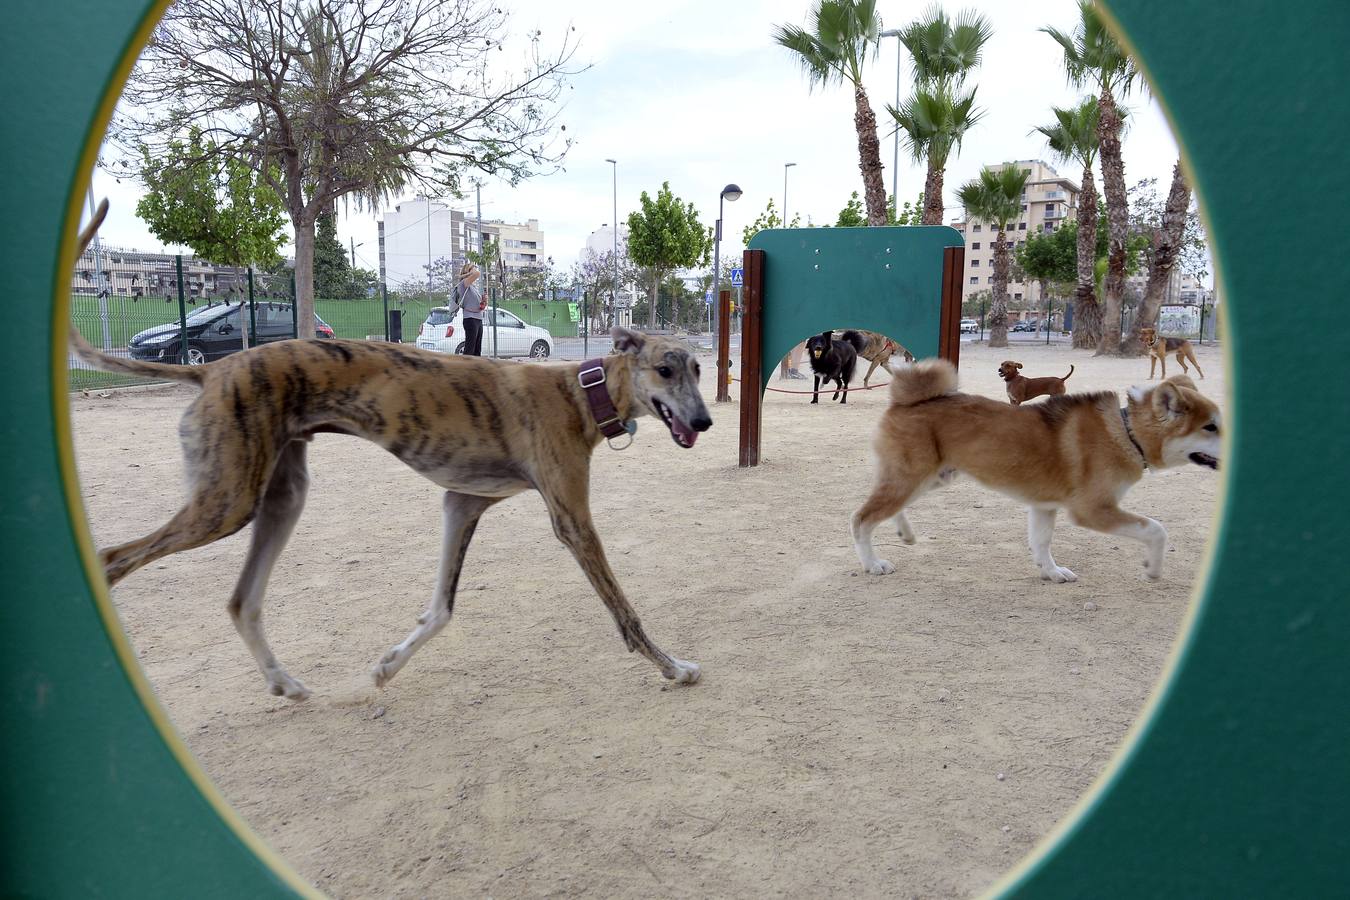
(445, 334)
(969, 326)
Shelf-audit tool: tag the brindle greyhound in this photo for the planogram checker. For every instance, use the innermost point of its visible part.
(484, 430)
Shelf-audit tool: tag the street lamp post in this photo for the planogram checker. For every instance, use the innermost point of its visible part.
(733, 193)
(895, 163)
(786, 166)
(614, 288)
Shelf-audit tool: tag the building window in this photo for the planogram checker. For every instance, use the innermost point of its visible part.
(975, 228)
(1021, 226)
(1049, 209)
(1017, 296)
(1049, 227)
(974, 263)
(974, 279)
(975, 246)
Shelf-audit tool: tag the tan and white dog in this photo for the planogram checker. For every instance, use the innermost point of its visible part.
(480, 429)
(1159, 347)
(1079, 453)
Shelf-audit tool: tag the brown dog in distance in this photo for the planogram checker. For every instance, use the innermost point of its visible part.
(1159, 347)
(1022, 389)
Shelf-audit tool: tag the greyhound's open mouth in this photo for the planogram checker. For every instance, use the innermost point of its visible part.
(679, 429)
(1204, 459)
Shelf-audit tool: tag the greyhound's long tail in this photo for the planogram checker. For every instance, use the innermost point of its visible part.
(1066, 377)
(921, 381)
(107, 362)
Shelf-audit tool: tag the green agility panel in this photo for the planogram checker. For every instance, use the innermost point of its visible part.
(887, 280)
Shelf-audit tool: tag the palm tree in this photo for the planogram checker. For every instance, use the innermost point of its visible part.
(843, 33)
(996, 197)
(1073, 138)
(1093, 58)
(937, 116)
(934, 122)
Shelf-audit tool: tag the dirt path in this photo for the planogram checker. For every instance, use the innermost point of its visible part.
(849, 733)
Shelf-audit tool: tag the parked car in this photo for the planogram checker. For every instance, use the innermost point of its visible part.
(445, 334)
(1026, 325)
(215, 331)
(969, 326)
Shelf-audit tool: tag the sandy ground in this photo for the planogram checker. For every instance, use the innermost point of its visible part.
(911, 735)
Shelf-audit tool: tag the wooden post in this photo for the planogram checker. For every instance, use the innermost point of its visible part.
(724, 347)
(949, 339)
(752, 339)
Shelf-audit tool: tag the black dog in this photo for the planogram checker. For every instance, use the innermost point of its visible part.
(833, 360)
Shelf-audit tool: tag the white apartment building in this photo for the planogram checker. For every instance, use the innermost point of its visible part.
(419, 231)
(601, 242)
(1048, 201)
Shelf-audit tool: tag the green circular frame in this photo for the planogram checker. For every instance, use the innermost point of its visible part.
(1235, 780)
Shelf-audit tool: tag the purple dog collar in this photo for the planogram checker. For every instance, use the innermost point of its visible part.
(592, 380)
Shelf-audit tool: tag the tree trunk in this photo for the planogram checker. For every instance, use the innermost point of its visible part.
(1166, 251)
(1117, 221)
(1087, 312)
(651, 305)
(304, 277)
(998, 305)
(932, 196)
(869, 157)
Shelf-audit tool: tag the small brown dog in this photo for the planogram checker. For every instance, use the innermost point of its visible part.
(1022, 389)
(1159, 347)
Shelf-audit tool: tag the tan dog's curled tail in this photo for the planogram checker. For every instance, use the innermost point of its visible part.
(106, 362)
(1066, 377)
(922, 381)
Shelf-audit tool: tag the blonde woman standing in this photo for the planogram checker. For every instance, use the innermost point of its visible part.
(468, 298)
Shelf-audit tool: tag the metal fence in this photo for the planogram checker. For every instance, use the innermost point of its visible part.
(181, 309)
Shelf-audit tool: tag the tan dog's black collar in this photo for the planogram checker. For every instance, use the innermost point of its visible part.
(1125, 420)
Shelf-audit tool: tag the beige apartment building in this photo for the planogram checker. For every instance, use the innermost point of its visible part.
(1048, 201)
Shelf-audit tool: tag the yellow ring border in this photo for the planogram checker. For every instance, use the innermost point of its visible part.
(79, 517)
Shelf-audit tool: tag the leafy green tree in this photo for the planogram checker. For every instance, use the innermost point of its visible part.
(936, 117)
(663, 236)
(223, 210)
(768, 219)
(843, 34)
(332, 271)
(996, 197)
(910, 213)
(851, 216)
(329, 100)
(1093, 58)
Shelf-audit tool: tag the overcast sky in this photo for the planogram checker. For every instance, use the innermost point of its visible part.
(695, 92)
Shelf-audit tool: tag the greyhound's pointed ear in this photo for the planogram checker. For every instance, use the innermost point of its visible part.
(828, 335)
(627, 341)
